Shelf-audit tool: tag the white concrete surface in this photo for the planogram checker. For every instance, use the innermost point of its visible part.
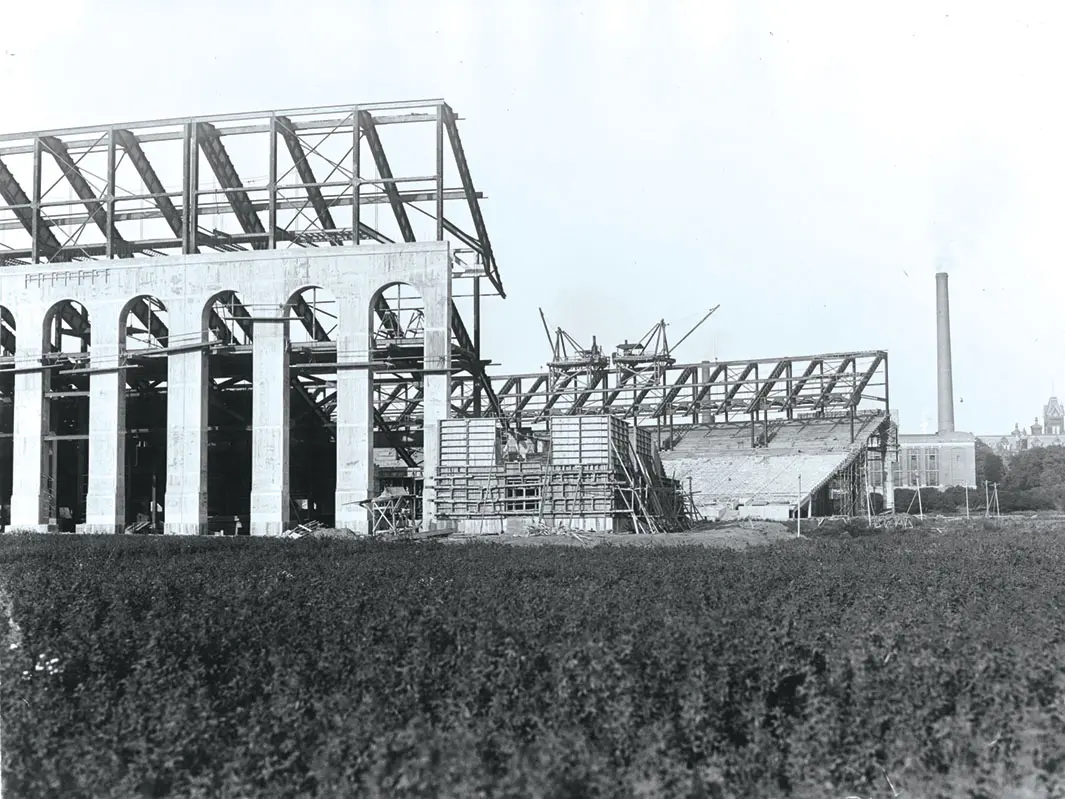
(186, 285)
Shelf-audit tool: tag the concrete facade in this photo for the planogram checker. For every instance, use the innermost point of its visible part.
(936, 461)
(186, 286)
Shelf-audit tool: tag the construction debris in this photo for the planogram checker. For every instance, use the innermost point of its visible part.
(541, 529)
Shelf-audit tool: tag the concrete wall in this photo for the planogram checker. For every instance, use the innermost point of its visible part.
(954, 461)
(187, 285)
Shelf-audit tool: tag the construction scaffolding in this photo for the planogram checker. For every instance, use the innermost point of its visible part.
(597, 473)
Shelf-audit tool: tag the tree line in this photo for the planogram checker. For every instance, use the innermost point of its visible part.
(1032, 480)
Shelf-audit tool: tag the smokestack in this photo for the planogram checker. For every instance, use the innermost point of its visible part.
(946, 372)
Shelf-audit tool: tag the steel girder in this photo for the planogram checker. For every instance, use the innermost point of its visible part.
(814, 385)
(206, 134)
(205, 138)
(27, 214)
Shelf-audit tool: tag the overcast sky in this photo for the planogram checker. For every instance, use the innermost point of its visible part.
(806, 165)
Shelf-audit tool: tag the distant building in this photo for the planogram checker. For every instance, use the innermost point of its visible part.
(1048, 434)
(936, 460)
(932, 460)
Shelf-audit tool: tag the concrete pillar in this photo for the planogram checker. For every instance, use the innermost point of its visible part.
(437, 383)
(185, 503)
(270, 508)
(105, 505)
(31, 504)
(354, 410)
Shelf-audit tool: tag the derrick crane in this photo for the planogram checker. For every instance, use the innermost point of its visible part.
(642, 365)
(574, 371)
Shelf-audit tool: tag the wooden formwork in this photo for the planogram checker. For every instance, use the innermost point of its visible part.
(599, 467)
(470, 442)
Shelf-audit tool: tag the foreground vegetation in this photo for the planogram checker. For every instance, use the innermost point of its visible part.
(209, 667)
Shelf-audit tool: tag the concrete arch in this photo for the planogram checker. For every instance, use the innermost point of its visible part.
(316, 310)
(188, 286)
(66, 319)
(144, 319)
(68, 404)
(222, 317)
(312, 332)
(8, 332)
(397, 312)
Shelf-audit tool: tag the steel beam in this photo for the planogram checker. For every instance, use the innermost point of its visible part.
(491, 270)
(133, 149)
(866, 378)
(28, 215)
(384, 172)
(827, 389)
(89, 198)
(221, 164)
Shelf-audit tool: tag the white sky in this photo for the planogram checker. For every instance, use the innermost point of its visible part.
(804, 164)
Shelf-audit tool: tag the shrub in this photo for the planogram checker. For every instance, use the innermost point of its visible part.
(210, 667)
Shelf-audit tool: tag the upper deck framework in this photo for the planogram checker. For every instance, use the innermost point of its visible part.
(308, 177)
(296, 179)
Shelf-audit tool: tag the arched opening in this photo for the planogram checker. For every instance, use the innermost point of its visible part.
(312, 423)
(229, 414)
(7, 412)
(144, 336)
(67, 345)
(397, 338)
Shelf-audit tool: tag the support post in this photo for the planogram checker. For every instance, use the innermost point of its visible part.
(356, 181)
(270, 508)
(105, 503)
(476, 340)
(111, 190)
(354, 413)
(437, 383)
(35, 224)
(30, 493)
(271, 226)
(190, 211)
(440, 179)
(185, 501)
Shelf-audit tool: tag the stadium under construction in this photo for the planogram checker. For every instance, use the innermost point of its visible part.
(242, 323)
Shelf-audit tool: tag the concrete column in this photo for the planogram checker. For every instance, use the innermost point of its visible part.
(270, 507)
(889, 482)
(105, 505)
(31, 504)
(354, 411)
(437, 382)
(185, 503)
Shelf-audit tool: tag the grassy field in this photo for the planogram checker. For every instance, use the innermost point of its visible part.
(926, 663)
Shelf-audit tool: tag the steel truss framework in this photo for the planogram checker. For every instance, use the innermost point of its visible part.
(312, 177)
(757, 390)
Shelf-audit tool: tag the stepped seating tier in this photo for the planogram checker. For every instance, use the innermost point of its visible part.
(726, 472)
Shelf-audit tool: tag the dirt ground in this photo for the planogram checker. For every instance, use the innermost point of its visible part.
(733, 535)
